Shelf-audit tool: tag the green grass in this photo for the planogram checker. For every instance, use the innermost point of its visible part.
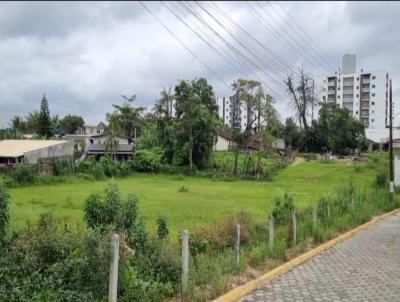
(205, 200)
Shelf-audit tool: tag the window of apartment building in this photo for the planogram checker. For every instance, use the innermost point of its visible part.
(372, 111)
(357, 95)
(373, 77)
(372, 103)
(338, 88)
(358, 87)
(358, 78)
(373, 86)
(324, 90)
(356, 112)
(372, 120)
(372, 94)
(338, 96)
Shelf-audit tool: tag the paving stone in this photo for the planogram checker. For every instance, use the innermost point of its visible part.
(365, 267)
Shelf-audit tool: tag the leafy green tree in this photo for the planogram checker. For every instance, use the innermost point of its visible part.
(44, 120)
(129, 117)
(71, 123)
(196, 122)
(291, 133)
(32, 122)
(19, 124)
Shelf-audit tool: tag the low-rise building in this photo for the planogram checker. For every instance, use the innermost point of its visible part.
(224, 141)
(96, 146)
(92, 130)
(13, 151)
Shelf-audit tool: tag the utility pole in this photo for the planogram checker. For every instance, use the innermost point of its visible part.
(313, 101)
(391, 184)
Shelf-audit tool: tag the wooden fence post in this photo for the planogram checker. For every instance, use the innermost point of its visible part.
(294, 227)
(237, 244)
(113, 286)
(271, 232)
(185, 260)
(314, 218)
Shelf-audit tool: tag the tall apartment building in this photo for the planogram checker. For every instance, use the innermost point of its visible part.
(364, 93)
(237, 115)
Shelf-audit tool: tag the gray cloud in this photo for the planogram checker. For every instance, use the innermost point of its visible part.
(84, 55)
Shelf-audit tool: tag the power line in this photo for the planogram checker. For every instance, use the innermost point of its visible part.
(289, 34)
(307, 35)
(203, 39)
(229, 45)
(284, 65)
(182, 44)
(278, 36)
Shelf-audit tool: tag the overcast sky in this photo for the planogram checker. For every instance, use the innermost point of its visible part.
(85, 55)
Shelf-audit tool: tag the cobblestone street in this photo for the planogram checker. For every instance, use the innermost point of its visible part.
(363, 268)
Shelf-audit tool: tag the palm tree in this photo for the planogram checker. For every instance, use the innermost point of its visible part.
(111, 142)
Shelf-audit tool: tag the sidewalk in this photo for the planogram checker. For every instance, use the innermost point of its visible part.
(365, 267)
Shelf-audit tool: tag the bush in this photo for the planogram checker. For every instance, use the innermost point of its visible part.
(25, 174)
(162, 228)
(147, 160)
(111, 211)
(283, 209)
(381, 179)
(4, 209)
(62, 166)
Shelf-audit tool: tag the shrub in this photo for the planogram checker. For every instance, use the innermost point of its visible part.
(222, 233)
(381, 179)
(62, 166)
(283, 209)
(162, 228)
(111, 211)
(183, 189)
(24, 174)
(4, 209)
(147, 160)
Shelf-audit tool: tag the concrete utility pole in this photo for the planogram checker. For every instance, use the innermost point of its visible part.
(391, 184)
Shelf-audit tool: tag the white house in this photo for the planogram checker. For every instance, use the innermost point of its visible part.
(224, 141)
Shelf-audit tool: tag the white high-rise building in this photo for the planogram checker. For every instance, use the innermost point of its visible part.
(237, 115)
(364, 93)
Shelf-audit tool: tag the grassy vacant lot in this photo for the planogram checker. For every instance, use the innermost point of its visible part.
(206, 200)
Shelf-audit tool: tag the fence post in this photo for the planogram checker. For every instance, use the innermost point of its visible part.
(271, 232)
(328, 209)
(314, 218)
(185, 260)
(294, 227)
(237, 244)
(113, 286)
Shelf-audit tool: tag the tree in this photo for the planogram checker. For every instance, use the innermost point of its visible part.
(32, 121)
(112, 129)
(163, 113)
(128, 117)
(19, 124)
(196, 122)
(44, 120)
(291, 133)
(71, 123)
(300, 89)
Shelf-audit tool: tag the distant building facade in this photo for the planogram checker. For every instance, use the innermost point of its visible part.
(236, 114)
(364, 93)
(92, 130)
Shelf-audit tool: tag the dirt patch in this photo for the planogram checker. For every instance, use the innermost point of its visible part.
(298, 160)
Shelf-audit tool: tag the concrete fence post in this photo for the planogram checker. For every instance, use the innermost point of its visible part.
(294, 227)
(113, 286)
(185, 260)
(271, 232)
(237, 244)
(314, 218)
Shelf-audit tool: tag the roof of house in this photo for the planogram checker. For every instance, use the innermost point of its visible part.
(101, 149)
(225, 134)
(105, 134)
(17, 147)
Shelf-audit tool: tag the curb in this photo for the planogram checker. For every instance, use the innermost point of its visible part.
(240, 291)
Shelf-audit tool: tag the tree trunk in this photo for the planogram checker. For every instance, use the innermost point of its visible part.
(191, 153)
